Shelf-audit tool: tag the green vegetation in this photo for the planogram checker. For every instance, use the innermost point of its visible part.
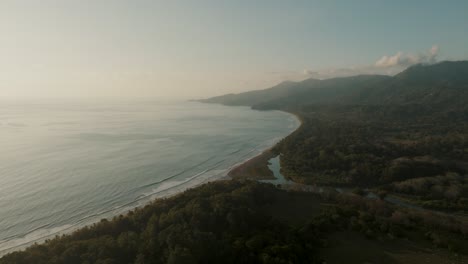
(248, 222)
(423, 156)
(357, 146)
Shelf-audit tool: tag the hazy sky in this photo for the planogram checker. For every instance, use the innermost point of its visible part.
(201, 48)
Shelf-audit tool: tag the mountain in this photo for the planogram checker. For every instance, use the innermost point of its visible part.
(444, 85)
(305, 92)
(281, 90)
(331, 91)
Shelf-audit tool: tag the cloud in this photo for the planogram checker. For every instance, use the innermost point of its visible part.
(434, 51)
(401, 59)
(386, 65)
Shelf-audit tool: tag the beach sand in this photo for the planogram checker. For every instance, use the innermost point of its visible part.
(255, 168)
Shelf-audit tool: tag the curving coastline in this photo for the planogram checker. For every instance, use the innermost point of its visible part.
(167, 189)
(257, 167)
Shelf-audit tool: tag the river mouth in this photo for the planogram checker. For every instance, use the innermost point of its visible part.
(281, 181)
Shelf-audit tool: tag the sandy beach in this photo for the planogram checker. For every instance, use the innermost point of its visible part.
(256, 168)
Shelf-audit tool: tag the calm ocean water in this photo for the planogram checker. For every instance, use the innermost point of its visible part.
(67, 164)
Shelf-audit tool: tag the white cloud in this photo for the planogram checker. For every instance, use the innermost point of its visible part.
(407, 59)
(434, 50)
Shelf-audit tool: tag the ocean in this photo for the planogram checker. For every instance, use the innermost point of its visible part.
(66, 164)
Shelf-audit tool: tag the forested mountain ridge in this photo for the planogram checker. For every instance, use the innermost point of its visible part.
(280, 90)
(304, 92)
(444, 85)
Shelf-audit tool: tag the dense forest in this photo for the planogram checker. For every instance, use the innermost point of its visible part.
(249, 222)
(422, 157)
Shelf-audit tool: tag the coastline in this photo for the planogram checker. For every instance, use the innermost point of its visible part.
(257, 167)
(42, 235)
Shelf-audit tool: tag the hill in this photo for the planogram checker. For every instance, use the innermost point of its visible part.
(444, 85)
(336, 90)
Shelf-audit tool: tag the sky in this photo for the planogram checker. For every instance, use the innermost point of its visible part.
(151, 48)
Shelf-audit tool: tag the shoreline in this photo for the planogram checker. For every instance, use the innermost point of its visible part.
(256, 168)
(42, 235)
